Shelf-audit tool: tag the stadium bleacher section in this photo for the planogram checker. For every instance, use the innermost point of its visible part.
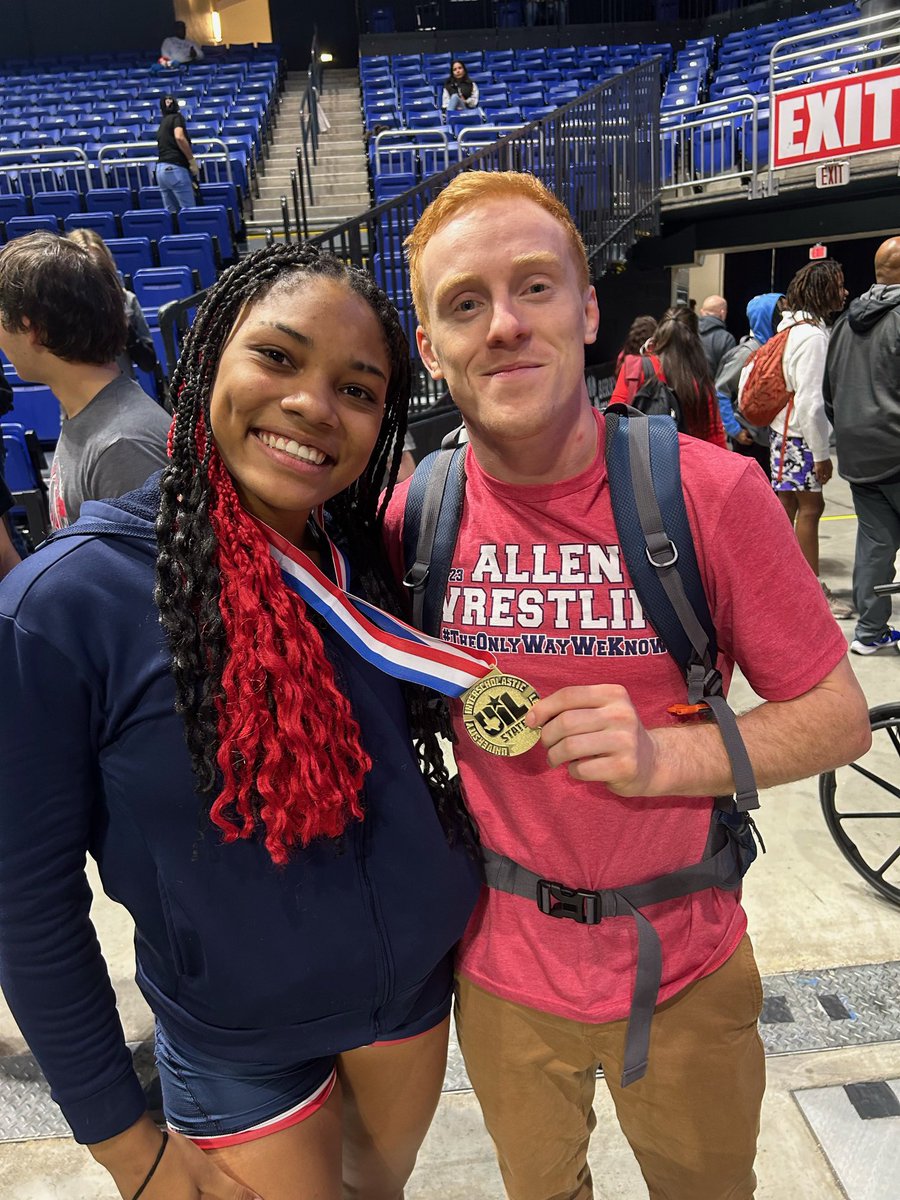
(78, 147)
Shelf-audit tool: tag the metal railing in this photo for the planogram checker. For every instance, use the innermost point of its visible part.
(47, 169)
(730, 139)
(793, 57)
(120, 163)
(715, 141)
(598, 154)
(308, 150)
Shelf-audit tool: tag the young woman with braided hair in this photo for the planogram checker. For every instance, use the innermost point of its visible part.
(800, 435)
(245, 779)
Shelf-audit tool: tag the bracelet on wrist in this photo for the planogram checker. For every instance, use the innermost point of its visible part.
(156, 1162)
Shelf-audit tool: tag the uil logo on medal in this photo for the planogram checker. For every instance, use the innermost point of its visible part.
(494, 714)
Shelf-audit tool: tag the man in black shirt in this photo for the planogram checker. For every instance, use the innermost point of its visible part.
(176, 158)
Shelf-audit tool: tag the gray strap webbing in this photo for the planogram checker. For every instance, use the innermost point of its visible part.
(720, 870)
(660, 549)
(416, 577)
(745, 794)
(663, 556)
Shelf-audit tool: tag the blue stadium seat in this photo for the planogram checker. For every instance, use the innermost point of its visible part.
(226, 194)
(393, 183)
(149, 197)
(38, 409)
(156, 286)
(211, 219)
(425, 120)
(153, 223)
(131, 253)
(104, 223)
(13, 205)
(57, 204)
(460, 118)
(20, 226)
(112, 199)
(194, 250)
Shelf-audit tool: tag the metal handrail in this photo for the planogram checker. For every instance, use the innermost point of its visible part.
(309, 128)
(700, 118)
(854, 30)
(107, 160)
(26, 161)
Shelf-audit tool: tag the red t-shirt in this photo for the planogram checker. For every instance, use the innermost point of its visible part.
(538, 578)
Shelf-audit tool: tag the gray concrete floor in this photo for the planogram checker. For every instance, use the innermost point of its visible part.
(807, 909)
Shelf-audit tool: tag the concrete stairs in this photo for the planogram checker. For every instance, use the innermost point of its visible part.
(340, 180)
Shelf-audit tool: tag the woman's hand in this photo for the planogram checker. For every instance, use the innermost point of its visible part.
(823, 471)
(184, 1171)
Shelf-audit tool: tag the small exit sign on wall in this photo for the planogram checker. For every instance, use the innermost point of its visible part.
(832, 174)
(818, 251)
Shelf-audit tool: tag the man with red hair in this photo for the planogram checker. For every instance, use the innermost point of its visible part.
(616, 793)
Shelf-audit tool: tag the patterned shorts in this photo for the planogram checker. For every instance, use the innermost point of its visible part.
(798, 472)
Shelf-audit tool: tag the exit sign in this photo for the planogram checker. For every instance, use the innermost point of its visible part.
(832, 174)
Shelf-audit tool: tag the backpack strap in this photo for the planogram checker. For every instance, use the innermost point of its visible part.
(644, 471)
(721, 870)
(635, 374)
(430, 525)
(653, 368)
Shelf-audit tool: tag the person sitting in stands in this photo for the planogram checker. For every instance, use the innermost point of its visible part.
(178, 48)
(459, 90)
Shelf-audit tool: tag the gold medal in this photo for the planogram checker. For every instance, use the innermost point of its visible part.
(494, 711)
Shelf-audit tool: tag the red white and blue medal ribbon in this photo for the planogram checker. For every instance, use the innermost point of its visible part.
(381, 639)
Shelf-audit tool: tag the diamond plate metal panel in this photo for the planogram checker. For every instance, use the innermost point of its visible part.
(870, 994)
(26, 1110)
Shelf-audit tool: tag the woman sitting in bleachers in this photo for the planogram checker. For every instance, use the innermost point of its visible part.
(459, 90)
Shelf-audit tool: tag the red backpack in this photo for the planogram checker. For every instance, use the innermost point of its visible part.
(765, 392)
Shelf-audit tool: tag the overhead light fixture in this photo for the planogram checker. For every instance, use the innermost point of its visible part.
(216, 26)
(326, 57)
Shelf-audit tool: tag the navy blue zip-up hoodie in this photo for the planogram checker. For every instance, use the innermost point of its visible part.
(236, 956)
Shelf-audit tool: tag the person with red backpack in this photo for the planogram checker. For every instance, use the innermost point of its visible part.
(675, 359)
(781, 386)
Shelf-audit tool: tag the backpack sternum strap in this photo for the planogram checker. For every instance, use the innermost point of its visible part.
(588, 907)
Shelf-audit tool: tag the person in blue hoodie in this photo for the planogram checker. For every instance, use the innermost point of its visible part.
(247, 782)
(762, 317)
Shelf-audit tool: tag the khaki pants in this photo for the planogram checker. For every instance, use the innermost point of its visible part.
(692, 1121)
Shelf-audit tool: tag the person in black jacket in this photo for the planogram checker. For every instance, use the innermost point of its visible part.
(716, 339)
(862, 401)
(459, 90)
(177, 168)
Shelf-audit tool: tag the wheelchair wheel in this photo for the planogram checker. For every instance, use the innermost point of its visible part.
(861, 804)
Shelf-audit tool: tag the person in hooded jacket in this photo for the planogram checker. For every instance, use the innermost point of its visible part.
(862, 401)
(243, 772)
(762, 313)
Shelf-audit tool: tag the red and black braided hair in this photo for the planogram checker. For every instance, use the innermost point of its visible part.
(275, 748)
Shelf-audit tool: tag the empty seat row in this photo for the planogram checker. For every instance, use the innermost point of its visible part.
(152, 223)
